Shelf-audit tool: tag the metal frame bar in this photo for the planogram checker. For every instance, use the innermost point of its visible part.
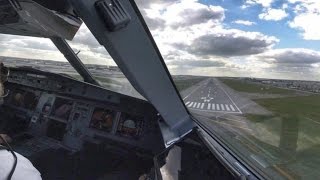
(136, 54)
(73, 59)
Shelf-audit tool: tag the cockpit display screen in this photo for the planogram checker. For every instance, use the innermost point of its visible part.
(102, 119)
(24, 99)
(130, 125)
(62, 108)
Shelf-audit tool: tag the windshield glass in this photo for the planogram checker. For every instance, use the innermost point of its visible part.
(41, 53)
(249, 71)
(100, 64)
(32, 52)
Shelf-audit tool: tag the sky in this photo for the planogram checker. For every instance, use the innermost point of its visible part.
(249, 38)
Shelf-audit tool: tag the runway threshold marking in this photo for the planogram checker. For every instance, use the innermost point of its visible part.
(207, 106)
(229, 98)
(227, 107)
(195, 104)
(222, 107)
(232, 108)
(198, 106)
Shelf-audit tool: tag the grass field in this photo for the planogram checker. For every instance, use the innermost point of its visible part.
(298, 106)
(182, 84)
(304, 109)
(290, 136)
(242, 86)
(296, 123)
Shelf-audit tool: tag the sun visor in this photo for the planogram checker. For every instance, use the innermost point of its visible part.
(28, 18)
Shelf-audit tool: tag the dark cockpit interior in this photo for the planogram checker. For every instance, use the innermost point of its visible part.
(47, 114)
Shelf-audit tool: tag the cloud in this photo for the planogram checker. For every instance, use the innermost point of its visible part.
(182, 14)
(231, 43)
(307, 14)
(270, 14)
(196, 63)
(296, 56)
(264, 3)
(186, 14)
(154, 23)
(143, 4)
(85, 37)
(307, 24)
(244, 22)
(12, 41)
(43, 48)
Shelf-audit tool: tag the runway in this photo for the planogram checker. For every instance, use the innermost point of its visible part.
(210, 96)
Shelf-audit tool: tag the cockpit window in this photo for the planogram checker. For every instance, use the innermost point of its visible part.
(249, 71)
(33, 52)
(41, 53)
(100, 64)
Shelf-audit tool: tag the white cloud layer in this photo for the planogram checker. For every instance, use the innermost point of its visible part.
(264, 3)
(195, 39)
(271, 14)
(244, 22)
(307, 16)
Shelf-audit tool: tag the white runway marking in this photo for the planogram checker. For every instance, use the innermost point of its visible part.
(207, 95)
(213, 107)
(227, 107)
(222, 107)
(195, 104)
(192, 92)
(232, 108)
(198, 106)
(230, 98)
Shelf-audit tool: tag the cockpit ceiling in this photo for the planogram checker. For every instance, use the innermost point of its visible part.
(28, 18)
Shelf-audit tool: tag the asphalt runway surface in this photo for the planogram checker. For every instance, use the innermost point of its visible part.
(210, 96)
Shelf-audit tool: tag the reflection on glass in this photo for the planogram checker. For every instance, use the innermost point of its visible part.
(62, 108)
(102, 119)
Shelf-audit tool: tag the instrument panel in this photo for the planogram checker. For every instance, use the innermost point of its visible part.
(74, 120)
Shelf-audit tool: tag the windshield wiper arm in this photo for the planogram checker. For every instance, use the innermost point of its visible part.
(74, 60)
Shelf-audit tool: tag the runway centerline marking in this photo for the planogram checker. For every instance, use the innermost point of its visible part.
(192, 92)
